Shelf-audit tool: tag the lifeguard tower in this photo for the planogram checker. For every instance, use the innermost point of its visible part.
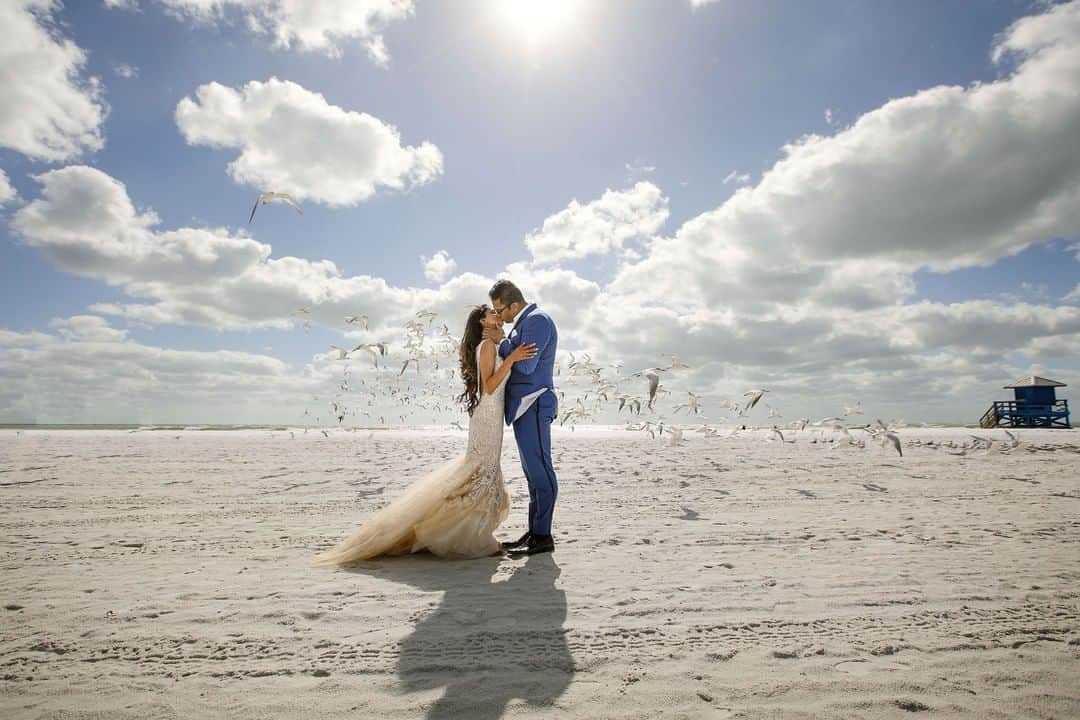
(1034, 405)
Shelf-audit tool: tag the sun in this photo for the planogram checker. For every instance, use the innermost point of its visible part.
(537, 22)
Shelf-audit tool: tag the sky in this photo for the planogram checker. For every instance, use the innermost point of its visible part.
(838, 202)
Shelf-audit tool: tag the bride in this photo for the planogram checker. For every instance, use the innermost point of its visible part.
(453, 510)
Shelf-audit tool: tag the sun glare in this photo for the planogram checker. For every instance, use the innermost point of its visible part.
(537, 21)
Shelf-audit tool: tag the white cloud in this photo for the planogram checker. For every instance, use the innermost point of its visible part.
(87, 328)
(695, 4)
(7, 192)
(89, 372)
(86, 224)
(736, 178)
(802, 279)
(1074, 294)
(124, 4)
(601, 226)
(322, 27)
(640, 169)
(807, 352)
(982, 324)
(633, 172)
(845, 220)
(48, 110)
(1028, 36)
(125, 71)
(563, 294)
(828, 116)
(439, 266)
(292, 140)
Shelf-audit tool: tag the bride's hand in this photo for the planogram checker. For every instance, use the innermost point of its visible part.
(522, 352)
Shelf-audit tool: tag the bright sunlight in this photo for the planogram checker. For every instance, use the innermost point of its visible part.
(537, 21)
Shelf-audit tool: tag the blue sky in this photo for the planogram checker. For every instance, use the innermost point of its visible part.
(661, 92)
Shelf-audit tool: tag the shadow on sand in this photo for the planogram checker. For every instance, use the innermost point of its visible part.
(487, 642)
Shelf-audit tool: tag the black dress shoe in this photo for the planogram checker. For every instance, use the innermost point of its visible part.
(537, 544)
(509, 545)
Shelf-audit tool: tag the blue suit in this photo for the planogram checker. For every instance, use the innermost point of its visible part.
(534, 379)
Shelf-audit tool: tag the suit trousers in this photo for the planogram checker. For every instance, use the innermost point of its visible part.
(533, 434)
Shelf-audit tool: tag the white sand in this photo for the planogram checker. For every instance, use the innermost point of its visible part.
(166, 575)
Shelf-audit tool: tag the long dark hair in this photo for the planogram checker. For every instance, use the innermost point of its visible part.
(470, 339)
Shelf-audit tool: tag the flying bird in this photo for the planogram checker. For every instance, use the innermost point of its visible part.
(654, 383)
(353, 319)
(754, 395)
(653, 376)
(676, 362)
(270, 197)
(693, 403)
(376, 349)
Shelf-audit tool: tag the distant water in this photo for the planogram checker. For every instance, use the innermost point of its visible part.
(444, 426)
(5, 426)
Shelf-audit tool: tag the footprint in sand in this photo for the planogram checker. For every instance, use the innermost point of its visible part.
(689, 514)
(866, 666)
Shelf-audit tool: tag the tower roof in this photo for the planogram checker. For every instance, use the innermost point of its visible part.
(1035, 381)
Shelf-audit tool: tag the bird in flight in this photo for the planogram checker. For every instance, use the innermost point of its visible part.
(376, 349)
(754, 396)
(270, 197)
(353, 319)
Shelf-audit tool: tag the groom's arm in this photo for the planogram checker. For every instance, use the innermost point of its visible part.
(537, 330)
(506, 346)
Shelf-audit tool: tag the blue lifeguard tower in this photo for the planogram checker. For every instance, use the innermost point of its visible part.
(1034, 405)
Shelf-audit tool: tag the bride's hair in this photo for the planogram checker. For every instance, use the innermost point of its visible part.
(470, 339)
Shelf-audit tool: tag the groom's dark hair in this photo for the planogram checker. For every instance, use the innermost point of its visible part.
(506, 292)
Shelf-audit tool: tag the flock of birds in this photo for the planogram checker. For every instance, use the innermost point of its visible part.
(427, 346)
(650, 406)
(832, 432)
(598, 388)
(423, 346)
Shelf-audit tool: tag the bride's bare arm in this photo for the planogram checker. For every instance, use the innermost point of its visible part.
(492, 377)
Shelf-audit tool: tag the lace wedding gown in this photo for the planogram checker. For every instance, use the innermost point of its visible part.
(453, 510)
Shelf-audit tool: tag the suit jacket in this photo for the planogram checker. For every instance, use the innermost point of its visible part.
(531, 377)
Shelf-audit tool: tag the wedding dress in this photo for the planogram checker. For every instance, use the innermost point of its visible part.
(453, 510)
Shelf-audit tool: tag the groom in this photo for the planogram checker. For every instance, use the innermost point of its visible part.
(531, 405)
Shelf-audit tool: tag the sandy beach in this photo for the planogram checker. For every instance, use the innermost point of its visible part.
(167, 574)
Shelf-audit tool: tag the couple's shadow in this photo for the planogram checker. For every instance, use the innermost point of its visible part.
(487, 642)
